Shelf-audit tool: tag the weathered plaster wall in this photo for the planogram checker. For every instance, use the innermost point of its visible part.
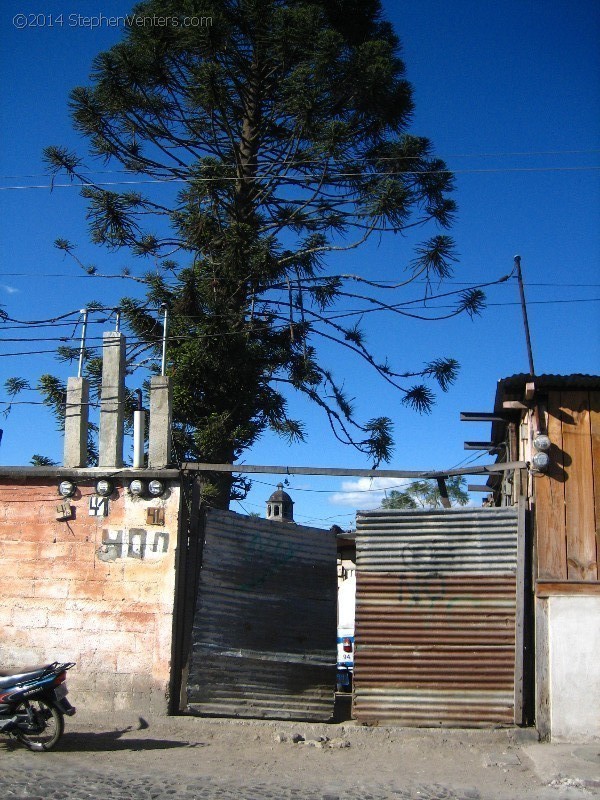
(574, 668)
(97, 590)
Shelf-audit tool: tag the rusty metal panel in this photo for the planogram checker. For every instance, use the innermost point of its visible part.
(436, 617)
(449, 540)
(265, 623)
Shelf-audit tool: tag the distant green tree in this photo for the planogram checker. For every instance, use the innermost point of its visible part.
(426, 494)
(42, 461)
(279, 134)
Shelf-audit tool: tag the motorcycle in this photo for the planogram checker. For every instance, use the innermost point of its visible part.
(33, 704)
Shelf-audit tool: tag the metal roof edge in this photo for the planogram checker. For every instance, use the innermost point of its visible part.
(515, 385)
(576, 380)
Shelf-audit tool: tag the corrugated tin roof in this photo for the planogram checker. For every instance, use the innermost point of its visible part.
(577, 380)
(514, 385)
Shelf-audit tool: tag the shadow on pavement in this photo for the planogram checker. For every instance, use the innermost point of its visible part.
(110, 741)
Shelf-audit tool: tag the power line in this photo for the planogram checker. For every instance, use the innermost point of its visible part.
(43, 321)
(469, 460)
(272, 287)
(307, 517)
(66, 275)
(265, 301)
(547, 302)
(358, 159)
(200, 336)
(19, 326)
(398, 307)
(375, 280)
(304, 180)
(44, 403)
(75, 312)
(339, 491)
(28, 353)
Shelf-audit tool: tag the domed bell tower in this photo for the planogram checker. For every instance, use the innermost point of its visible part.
(280, 506)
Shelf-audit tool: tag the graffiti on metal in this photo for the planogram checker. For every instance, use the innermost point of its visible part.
(137, 543)
(413, 594)
(272, 558)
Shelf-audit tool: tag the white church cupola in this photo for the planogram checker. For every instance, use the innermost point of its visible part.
(280, 506)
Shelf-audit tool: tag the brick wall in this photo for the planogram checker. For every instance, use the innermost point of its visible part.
(97, 590)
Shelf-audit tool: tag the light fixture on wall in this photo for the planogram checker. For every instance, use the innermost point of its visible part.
(104, 487)
(156, 488)
(66, 488)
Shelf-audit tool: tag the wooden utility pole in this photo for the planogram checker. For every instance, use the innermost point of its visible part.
(524, 310)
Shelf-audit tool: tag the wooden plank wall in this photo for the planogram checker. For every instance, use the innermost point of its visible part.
(595, 433)
(567, 499)
(550, 504)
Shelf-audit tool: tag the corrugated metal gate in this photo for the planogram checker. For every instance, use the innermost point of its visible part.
(264, 631)
(437, 634)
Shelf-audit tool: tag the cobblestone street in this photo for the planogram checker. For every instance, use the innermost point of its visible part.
(85, 784)
(188, 758)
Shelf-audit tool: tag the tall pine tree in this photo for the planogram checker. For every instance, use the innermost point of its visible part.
(283, 126)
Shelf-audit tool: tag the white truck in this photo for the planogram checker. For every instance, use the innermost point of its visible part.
(345, 633)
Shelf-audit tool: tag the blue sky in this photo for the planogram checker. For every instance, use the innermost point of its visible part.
(508, 92)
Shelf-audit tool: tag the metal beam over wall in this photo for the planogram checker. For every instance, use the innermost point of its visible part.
(247, 469)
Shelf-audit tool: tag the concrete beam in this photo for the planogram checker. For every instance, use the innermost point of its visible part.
(76, 422)
(159, 438)
(24, 475)
(112, 400)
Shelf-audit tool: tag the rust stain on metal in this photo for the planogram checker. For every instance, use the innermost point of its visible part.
(436, 617)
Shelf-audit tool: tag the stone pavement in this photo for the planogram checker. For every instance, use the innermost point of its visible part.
(188, 758)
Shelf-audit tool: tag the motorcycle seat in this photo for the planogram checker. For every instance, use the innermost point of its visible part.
(12, 676)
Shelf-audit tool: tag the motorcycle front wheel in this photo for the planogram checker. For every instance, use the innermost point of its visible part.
(40, 725)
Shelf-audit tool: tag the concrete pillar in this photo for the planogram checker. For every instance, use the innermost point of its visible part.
(139, 437)
(112, 400)
(76, 422)
(159, 438)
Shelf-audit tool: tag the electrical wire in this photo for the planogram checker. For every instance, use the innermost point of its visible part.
(307, 517)
(283, 326)
(52, 320)
(265, 300)
(364, 159)
(374, 280)
(468, 460)
(304, 180)
(331, 491)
